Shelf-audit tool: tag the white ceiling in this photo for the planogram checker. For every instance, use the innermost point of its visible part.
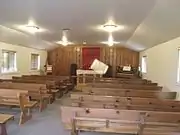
(147, 22)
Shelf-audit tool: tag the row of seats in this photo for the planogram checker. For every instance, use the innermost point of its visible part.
(30, 92)
(122, 105)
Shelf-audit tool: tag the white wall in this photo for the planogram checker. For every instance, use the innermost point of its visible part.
(162, 64)
(23, 56)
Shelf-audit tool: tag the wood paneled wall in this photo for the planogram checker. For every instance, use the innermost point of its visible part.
(61, 58)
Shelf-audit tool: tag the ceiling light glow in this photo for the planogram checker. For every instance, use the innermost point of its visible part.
(31, 27)
(84, 42)
(110, 41)
(110, 27)
(64, 41)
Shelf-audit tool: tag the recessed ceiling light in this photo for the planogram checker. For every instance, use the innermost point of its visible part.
(110, 26)
(31, 27)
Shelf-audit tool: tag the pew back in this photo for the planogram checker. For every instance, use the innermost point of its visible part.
(129, 93)
(130, 103)
(24, 86)
(120, 121)
(125, 86)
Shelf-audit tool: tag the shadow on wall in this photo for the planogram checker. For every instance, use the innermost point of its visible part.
(166, 89)
(173, 95)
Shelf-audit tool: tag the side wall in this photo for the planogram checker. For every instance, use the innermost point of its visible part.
(162, 64)
(61, 58)
(23, 56)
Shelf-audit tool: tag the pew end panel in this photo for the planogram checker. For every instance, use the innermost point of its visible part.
(26, 106)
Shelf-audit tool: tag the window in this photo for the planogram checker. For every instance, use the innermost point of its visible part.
(35, 62)
(144, 64)
(8, 61)
(178, 73)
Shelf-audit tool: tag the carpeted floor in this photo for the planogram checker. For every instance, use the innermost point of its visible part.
(46, 123)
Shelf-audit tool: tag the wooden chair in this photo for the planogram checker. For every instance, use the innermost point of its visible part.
(4, 118)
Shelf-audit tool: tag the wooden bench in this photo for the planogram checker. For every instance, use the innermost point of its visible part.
(126, 75)
(60, 80)
(114, 81)
(126, 92)
(48, 76)
(129, 103)
(50, 85)
(137, 122)
(57, 79)
(20, 79)
(52, 82)
(18, 98)
(36, 92)
(4, 118)
(125, 86)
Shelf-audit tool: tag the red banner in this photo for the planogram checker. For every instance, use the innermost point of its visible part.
(88, 56)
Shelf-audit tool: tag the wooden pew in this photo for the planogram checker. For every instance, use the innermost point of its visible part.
(126, 75)
(50, 85)
(4, 118)
(57, 89)
(48, 76)
(61, 79)
(116, 81)
(125, 92)
(56, 81)
(36, 92)
(18, 98)
(124, 86)
(129, 103)
(31, 80)
(120, 121)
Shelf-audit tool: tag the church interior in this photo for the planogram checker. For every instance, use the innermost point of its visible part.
(89, 67)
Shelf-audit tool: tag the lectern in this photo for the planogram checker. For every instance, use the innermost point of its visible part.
(97, 70)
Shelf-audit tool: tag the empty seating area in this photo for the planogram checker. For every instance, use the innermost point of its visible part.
(89, 67)
(29, 97)
(119, 107)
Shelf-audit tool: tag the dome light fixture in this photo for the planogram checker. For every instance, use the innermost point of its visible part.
(110, 27)
(31, 27)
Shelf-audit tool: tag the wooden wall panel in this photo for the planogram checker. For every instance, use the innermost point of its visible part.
(61, 58)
